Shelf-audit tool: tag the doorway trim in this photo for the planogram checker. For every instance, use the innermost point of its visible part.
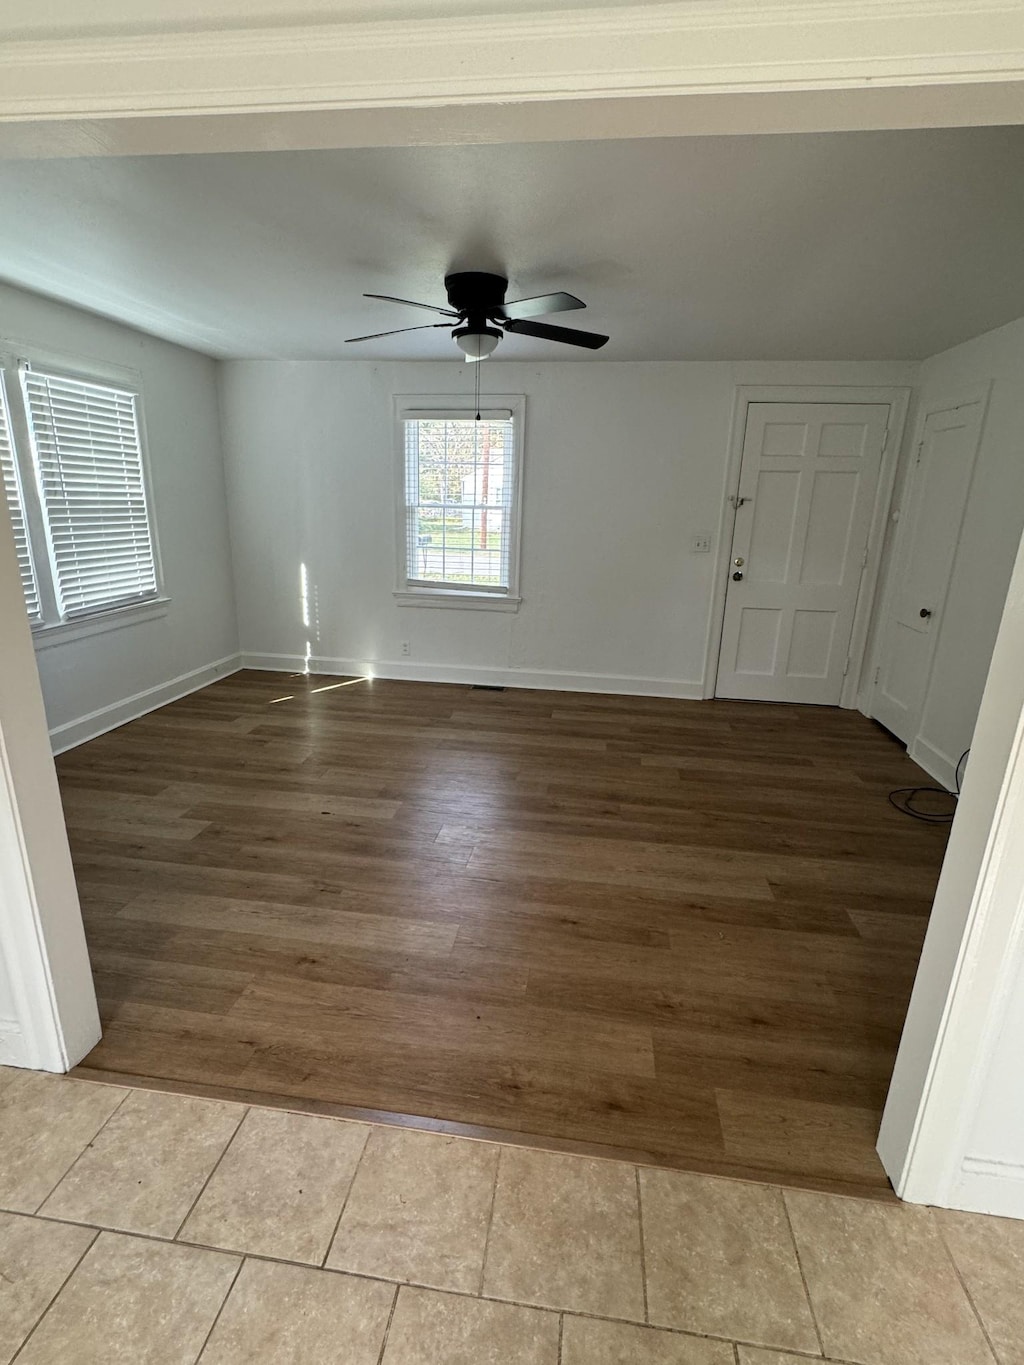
(970, 967)
(44, 963)
(703, 66)
(898, 399)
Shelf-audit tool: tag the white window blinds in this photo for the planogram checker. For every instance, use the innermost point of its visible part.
(88, 459)
(460, 477)
(16, 510)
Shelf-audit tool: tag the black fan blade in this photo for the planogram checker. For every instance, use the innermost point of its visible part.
(591, 340)
(536, 307)
(431, 308)
(426, 327)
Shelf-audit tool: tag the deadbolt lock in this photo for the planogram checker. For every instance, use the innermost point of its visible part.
(738, 563)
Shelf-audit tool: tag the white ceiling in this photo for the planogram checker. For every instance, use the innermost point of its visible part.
(887, 245)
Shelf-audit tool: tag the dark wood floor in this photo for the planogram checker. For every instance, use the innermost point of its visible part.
(686, 931)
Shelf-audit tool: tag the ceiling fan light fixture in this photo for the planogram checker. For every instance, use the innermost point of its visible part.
(476, 343)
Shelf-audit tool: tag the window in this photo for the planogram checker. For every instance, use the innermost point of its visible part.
(460, 510)
(76, 491)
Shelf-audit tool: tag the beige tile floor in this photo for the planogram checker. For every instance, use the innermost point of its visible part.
(154, 1228)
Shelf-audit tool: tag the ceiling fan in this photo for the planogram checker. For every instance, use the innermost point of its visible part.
(481, 314)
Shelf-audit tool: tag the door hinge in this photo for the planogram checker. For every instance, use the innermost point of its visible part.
(864, 557)
(920, 447)
(878, 674)
(846, 666)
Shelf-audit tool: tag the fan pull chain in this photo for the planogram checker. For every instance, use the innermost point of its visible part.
(476, 390)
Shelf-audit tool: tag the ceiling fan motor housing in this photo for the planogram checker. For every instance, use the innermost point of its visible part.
(475, 294)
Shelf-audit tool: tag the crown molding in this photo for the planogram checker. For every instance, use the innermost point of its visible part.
(372, 17)
(367, 25)
(710, 46)
(989, 103)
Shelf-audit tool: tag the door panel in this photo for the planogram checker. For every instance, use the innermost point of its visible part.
(774, 514)
(826, 554)
(757, 644)
(808, 480)
(933, 510)
(811, 646)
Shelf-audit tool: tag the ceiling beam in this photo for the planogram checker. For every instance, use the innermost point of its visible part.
(635, 70)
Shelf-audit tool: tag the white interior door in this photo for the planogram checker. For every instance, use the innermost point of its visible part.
(930, 521)
(808, 481)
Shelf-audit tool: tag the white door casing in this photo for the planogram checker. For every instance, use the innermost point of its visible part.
(48, 1014)
(967, 983)
(807, 492)
(943, 457)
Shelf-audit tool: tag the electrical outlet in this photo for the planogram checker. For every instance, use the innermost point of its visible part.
(406, 651)
(700, 545)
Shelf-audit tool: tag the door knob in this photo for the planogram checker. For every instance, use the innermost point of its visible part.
(925, 613)
(737, 577)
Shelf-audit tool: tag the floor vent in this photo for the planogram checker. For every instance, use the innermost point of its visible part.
(485, 687)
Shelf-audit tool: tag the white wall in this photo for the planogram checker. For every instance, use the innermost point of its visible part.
(624, 464)
(990, 537)
(93, 683)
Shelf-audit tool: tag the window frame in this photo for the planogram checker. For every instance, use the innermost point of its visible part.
(53, 628)
(411, 594)
(20, 510)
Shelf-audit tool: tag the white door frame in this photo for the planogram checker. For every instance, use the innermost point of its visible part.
(898, 399)
(51, 1020)
(972, 953)
(977, 393)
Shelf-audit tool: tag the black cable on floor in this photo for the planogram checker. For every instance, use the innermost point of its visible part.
(903, 798)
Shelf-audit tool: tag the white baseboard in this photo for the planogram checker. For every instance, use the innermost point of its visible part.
(489, 677)
(986, 1186)
(75, 732)
(935, 763)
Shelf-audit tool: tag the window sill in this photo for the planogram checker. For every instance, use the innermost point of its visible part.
(64, 632)
(473, 601)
